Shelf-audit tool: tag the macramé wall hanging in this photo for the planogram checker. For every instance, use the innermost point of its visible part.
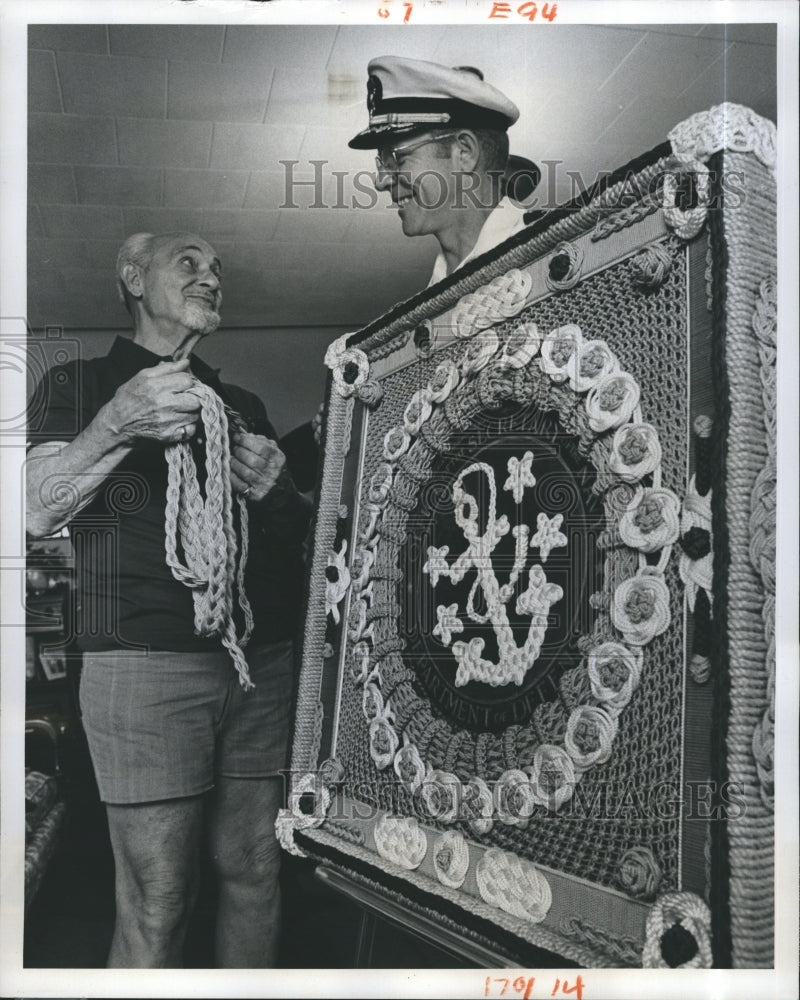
(537, 692)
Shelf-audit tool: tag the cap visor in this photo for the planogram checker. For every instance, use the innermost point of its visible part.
(371, 138)
(364, 140)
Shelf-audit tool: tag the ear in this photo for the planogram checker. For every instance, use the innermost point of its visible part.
(467, 150)
(131, 277)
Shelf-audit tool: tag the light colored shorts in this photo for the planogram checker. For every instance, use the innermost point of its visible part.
(164, 725)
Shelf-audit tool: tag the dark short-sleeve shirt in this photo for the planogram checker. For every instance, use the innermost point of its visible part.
(127, 595)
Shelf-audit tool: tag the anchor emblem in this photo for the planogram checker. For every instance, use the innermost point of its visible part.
(514, 661)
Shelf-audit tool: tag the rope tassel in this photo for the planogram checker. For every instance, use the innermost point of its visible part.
(208, 534)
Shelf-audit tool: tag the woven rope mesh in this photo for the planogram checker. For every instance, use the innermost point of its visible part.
(640, 782)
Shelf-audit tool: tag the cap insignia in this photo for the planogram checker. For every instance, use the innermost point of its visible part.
(374, 93)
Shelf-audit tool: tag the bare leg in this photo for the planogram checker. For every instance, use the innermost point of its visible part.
(246, 855)
(156, 857)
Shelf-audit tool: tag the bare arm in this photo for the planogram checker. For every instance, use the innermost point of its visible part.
(61, 479)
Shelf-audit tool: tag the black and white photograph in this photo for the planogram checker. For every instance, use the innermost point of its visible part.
(398, 437)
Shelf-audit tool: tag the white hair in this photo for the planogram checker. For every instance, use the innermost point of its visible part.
(139, 250)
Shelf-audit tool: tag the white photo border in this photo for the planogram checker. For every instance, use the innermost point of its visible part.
(15, 15)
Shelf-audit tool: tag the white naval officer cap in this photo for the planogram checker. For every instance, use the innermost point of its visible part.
(410, 94)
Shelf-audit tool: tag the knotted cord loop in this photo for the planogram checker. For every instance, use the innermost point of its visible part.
(208, 534)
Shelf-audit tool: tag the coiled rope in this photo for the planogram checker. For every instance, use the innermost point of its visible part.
(208, 534)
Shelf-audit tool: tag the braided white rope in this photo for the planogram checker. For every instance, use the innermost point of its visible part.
(285, 825)
(207, 533)
(502, 298)
(686, 222)
(763, 527)
(650, 268)
(402, 840)
(513, 885)
(725, 126)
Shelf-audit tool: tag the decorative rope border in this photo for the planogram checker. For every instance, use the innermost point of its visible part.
(305, 748)
(729, 126)
(626, 950)
(745, 243)
(720, 870)
(742, 246)
(763, 526)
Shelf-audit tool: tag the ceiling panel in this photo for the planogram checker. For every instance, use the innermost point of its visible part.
(566, 118)
(562, 85)
(356, 45)
(70, 294)
(51, 183)
(330, 146)
(746, 65)
(98, 85)
(219, 225)
(326, 225)
(283, 46)
(315, 95)
(87, 221)
(118, 185)
(145, 128)
(254, 147)
(686, 61)
(59, 253)
(737, 77)
(267, 190)
(35, 228)
(43, 92)
(162, 143)
(204, 188)
(218, 91)
(161, 220)
(71, 139)
(167, 41)
(668, 29)
(752, 34)
(102, 254)
(69, 37)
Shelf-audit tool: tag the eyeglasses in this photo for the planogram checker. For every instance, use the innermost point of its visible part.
(386, 160)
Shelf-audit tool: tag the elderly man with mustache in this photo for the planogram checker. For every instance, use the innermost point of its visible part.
(181, 749)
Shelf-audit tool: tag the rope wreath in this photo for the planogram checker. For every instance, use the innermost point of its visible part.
(208, 534)
(678, 933)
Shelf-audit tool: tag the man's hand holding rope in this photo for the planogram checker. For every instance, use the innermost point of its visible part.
(157, 404)
(256, 464)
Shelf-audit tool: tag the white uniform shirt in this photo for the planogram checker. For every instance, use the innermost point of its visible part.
(505, 220)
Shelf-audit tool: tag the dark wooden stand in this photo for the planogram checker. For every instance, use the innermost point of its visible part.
(442, 946)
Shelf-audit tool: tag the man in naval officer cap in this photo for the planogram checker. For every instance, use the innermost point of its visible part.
(441, 143)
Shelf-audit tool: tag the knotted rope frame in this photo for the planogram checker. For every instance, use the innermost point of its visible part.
(208, 534)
